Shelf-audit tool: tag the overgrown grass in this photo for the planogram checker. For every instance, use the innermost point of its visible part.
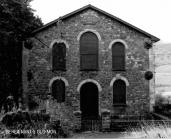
(146, 130)
(55, 122)
(23, 124)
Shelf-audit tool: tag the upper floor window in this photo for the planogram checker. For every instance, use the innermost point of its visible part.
(118, 56)
(119, 92)
(89, 44)
(58, 90)
(59, 56)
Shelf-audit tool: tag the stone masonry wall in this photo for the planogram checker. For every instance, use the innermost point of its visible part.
(137, 62)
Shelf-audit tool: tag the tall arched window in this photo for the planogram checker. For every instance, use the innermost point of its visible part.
(119, 92)
(89, 51)
(118, 56)
(58, 90)
(59, 56)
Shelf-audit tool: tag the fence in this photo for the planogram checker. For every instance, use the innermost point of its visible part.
(121, 125)
(91, 125)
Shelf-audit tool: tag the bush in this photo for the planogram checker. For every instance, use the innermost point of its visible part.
(60, 131)
(63, 113)
(57, 123)
(162, 105)
(18, 122)
(62, 121)
(41, 125)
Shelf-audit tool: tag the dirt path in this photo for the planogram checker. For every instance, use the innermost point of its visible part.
(97, 135)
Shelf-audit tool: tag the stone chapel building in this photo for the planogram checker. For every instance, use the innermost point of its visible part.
(92, 62)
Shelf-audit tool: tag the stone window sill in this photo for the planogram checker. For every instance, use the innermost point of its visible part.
(119, 105)
(118, 70)
(89, 70)
(64, 70)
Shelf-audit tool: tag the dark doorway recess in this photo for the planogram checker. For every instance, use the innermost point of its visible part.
(89, 107)
(89, 101)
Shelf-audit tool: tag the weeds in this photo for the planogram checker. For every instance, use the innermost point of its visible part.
(153, 130)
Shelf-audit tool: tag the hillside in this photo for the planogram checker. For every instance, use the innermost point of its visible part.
(163, 67)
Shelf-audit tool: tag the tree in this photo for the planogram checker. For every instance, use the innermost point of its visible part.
(17, 21)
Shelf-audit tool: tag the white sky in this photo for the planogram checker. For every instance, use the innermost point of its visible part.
(153, 16)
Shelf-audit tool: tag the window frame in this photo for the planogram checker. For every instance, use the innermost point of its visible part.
(63, 98)
(123, 56)
(119, 104)
(94, 54)
(57, 68)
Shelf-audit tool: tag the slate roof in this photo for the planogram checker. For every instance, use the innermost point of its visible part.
(153, 38)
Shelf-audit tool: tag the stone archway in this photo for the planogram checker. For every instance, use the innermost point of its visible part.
(89, 105)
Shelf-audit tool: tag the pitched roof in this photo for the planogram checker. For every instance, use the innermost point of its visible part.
(153, 38)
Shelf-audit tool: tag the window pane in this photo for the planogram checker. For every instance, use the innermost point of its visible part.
(59, 56)
(119, 92)
(118, 63)
(89, 51)
(88, 43)
(89, 62)
(118, 56)
(58, 90)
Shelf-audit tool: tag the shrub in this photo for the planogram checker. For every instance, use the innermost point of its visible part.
(62, 118)
(63, 113)
(18, 121)
(162, 105)
(56, 117)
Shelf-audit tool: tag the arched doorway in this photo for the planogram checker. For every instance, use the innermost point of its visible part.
(89, 106)
(89, 101)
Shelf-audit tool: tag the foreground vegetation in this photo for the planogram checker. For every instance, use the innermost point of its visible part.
(26, 124)
(149, 131)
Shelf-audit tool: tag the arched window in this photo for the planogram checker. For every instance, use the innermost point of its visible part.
(119, 92)
(89, 51)
(58, 90)
(118, 56)
(59, 56)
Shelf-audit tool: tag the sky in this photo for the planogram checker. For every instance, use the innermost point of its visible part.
(152, 16)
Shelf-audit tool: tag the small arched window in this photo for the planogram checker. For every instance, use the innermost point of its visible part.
(58, 90)
(118, 56)
(119, 92)
(59, 56)
(89, 51)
